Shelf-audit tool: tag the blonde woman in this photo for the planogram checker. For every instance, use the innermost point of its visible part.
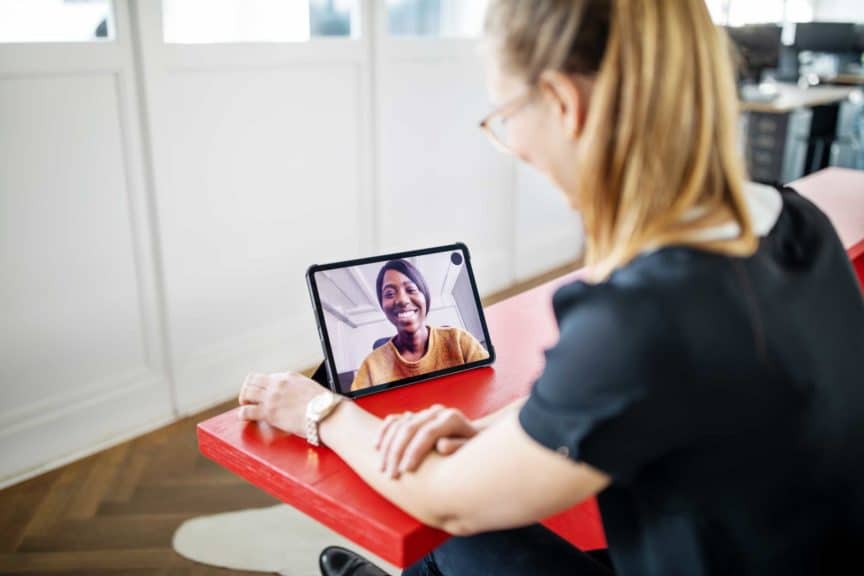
(706, 383)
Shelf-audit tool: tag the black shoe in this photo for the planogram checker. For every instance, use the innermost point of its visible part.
(338, 561)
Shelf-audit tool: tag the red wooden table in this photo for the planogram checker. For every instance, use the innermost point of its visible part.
(320, 484)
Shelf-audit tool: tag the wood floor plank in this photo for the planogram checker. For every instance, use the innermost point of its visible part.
(107, 532)
(189, 500)
(97, 482)
(53, 507)
(129, 475)
(189, 570)
(175, 459)
(89, 561)
(203, 478)
(17, 506)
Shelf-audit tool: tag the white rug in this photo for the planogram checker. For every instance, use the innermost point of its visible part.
(278, 539)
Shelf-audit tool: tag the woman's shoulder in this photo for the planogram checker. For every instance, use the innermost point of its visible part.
(804, 232)
(454, 336)
(450, 333)
(382, 354)
(630, 316)
(617, 298)
(799, 205)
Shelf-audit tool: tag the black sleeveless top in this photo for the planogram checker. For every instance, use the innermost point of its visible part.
(725, 398)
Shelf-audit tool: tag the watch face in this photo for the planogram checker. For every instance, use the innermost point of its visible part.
(321, 402)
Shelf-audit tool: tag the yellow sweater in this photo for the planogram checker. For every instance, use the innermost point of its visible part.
(447, 347)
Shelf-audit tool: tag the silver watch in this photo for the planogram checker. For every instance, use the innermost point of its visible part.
(317, 410)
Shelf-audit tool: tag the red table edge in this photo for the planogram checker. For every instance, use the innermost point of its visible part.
(318, 506)
(856, 259)
(856, 252)
(398, 549)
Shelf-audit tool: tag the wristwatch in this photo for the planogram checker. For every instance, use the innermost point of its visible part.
(317, 410)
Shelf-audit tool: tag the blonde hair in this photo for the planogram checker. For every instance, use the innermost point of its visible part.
(659, 161)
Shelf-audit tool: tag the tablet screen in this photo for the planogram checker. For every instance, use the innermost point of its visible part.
(399, 318)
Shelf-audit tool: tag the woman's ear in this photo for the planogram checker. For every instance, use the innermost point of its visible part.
(562, 91)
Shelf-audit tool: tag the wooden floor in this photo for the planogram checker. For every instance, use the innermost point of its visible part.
(115, 512)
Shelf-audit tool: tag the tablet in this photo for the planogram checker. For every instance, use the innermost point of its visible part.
(391, 320)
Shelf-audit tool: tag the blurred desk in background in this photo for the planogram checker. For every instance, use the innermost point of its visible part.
(845, 79)
(789, 131)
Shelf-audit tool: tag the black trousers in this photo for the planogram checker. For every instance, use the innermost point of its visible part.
(530, 550)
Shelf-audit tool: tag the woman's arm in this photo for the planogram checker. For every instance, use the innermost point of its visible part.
(486, 421)
(404, 439)
(501, 478)
(463, 493)
(472, 350)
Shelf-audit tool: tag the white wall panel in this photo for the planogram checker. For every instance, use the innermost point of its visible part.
(81, 356)
(440, 180)
(838, 10)
(69, 292)
(548, 232)
(260, 164)
(259, 178)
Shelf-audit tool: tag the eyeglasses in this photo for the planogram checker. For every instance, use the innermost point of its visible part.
(495, 123)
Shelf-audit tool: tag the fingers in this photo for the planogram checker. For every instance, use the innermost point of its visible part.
(391, 419)
(385, 434)
(448, 424)
(405, 439)
(250, 412)
(388, 430)
(388, 424)
(253, 388)
(447, 446)
(251, 395)
(254, 379)
(279, 399)
(403, 432)
(392, 428)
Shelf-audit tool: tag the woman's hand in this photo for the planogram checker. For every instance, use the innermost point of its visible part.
(278, 399)
(405, 439)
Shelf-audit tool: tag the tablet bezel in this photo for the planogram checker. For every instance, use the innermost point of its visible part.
(324, 336)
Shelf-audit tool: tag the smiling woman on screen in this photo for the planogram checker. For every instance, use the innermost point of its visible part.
(416, 348)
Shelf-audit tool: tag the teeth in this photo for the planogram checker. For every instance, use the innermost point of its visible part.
(406, 314)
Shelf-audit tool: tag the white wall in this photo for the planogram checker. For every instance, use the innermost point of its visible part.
(258, 163)
(838, 10)
(435, 166)
(82, 361)
(159, 205)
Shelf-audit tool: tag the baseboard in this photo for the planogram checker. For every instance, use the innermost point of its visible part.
(64, 435)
